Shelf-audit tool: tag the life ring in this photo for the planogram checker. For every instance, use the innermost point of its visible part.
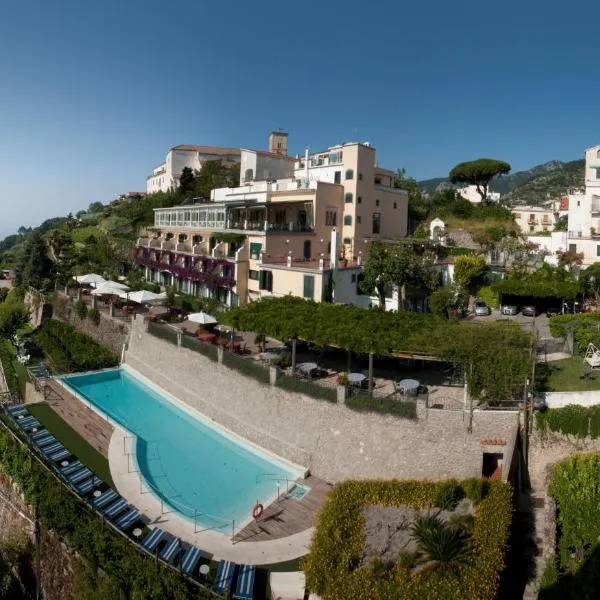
(258, 509)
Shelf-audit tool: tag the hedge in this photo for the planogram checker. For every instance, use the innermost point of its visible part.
(305, 386)
(6, 357)
(208, 350)
(133, 575)
(72, 351)
(585, 328)
(246, 366)
(386, 406)
(575, 420)
(333, 568)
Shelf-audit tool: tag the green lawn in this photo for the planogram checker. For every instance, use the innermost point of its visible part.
(19, 369)
(63, 432)
(564, 376)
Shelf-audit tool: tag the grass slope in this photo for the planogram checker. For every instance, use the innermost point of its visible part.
(63, 432)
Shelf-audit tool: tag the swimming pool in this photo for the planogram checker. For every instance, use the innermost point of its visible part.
(195, 468)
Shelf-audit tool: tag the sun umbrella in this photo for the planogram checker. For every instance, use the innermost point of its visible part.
(90, 279)
(202, 318)
(109, 288)
(139, 297)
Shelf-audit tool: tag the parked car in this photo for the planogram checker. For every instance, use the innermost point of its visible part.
(509, 309)
(529, 311)
(482, 309)
(553, 311)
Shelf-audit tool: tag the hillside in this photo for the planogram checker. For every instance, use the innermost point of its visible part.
(532, 186)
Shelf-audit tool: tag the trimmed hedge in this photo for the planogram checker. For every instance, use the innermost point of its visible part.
(247, 367)
(305, 386)
(132, 575)
(385, 406)
(574, 420)
(208, 350)
(6, 357)
(333, 566)
(72, 351)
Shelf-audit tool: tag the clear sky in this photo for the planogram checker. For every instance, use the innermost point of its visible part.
(93, 93)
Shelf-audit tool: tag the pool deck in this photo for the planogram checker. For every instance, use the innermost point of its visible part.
(272, 542)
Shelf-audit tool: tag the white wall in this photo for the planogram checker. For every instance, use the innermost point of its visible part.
(592, 161)
(560, 399)
(471, 194)
(345, 290)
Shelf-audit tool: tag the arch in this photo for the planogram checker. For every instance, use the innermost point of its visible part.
(248, 175)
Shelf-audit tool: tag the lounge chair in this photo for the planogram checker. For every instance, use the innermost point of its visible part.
(79, 476)
(28, 423)
(105, 498)
(224, 578)
(17, 410)
(60, 455)
(115, 509)
(152, 540)
(70, 468)
(52, 448)
(190, 559)
(170, 551)
(128, 519)
(45, 441)
(36, 435)
(87, 486)
(245, 583)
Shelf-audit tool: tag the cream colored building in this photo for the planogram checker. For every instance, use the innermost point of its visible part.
(303, 234)
(534, 219)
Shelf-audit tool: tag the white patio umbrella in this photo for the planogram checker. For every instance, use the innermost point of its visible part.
(109, 288)
(202, 318)
(90, 279)
(139, 297)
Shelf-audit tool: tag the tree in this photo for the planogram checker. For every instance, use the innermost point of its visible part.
(569, 260)
(479, 173)
(590, 280)
(562, 223)
(186, 181)
(13, 315)
(467, 269)
(95, 207)
(215, 174)
(34, 266)
(448, 300)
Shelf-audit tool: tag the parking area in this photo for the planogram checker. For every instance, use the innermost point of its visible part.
(540, 323)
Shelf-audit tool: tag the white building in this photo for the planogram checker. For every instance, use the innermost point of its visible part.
(471, 194)
(166, 176)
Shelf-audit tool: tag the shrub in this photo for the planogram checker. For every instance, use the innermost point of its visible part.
(6, 357)
(475, 489)
(448, 495)
(333, 565)
(572, 419)
(248, 367)
(81, 309)
(94, 316)
(406, 409)
(305, 386)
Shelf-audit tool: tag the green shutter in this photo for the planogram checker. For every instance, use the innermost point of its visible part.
(309, 287)
(255, 249)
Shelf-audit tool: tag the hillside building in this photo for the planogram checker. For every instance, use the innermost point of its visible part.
(534, 219)
(471, 194)
(293, 226)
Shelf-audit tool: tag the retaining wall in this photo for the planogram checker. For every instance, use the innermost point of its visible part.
(333, 441)
(560, 399)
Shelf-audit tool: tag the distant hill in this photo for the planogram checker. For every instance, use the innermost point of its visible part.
(533, 186)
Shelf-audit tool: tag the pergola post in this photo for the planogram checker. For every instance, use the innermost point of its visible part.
(293, 356)
(370, 371)
(349, 361)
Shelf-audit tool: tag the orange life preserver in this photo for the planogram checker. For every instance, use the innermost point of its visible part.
(257, 510)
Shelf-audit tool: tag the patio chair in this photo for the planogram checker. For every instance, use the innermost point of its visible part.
(153, 539)
(190, 559)
(170, 551)
(115, 509)
(245, 584)
(105, 498)
(128, 519)
(224, 577)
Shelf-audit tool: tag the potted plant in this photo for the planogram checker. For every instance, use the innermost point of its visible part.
(260, 341)
(342, 378)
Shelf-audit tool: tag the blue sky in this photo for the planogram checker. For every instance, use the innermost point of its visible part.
(93, 93)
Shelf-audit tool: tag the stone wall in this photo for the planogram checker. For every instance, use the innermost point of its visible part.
(34, 301)
(333, 441)
(109, 332)
(560, 399)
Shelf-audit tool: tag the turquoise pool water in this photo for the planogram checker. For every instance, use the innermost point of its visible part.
(189, 464)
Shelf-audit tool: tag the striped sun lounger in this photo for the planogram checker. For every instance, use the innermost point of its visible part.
(39, 434)
(28, 423)
(190, 559)
(245, 583)
(60, 455)
(105, 498)
(151, 541)
(115, 509)
(128, 519)
(70, 468)
(170, 551)
(224, 577)
(17, 410)
(52, 448)
(79, 476)
(46, 441)
(88, 485)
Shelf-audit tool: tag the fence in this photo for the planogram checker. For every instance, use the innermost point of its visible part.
(318, 390)
(208, 350)
(164, 332)
(251, 368)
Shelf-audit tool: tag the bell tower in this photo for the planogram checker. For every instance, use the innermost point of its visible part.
(278, 142)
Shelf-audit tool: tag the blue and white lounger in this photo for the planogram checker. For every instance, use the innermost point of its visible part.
(17, 410)
(105, 498)
(28, 422)
(88, 485)
(70, 468)
(79, 476)
(60, 455)
(190, 559)
(115, 509)
(128, 519)
(37, 435)
(151, 541)
(45, 441)
(52, 448)
(170, 551)
(224, 577)
(245, 583)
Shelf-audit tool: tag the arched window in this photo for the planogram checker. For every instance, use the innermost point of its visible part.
(248, 175)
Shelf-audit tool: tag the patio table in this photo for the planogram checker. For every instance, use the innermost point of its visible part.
(408, 386)
(209, 338)
(307, 367)
(356, 378)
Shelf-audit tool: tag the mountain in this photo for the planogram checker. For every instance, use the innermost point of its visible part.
(533, 186)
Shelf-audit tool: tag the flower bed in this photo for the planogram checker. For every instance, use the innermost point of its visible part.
(333, 568)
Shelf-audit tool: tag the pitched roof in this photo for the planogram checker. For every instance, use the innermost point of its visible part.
(207, 149)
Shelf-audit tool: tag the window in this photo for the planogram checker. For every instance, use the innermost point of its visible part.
(572, 247)
(309, 287)
(376, 222)
(531, 228)
(360, 176)
(597, 250)
(349, 174)
(395, 205)
(248, 175)
(578, 203)
(359, 200)
(597, 172)
(254, 275)
(348, 198)
(306, 249)
(347, 219)
(255, 249)
(265, 281)
(377, 180)
(347, 241)
(358, 220)
(337, 177)
(376, 202)
(331, 218)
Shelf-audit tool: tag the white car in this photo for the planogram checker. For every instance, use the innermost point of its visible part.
(482, 309)
(510, 309)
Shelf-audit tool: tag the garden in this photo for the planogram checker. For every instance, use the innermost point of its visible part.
(387, 540)
(574, 572)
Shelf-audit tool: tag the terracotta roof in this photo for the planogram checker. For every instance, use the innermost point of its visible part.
(207, 149)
